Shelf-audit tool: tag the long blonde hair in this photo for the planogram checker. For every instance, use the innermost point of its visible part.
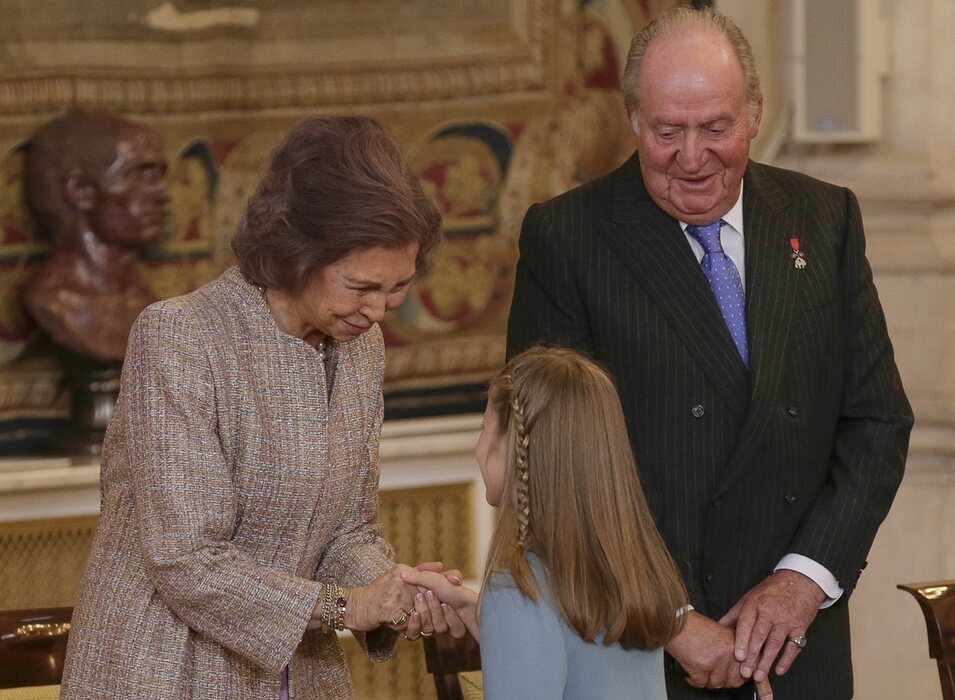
(572, 494)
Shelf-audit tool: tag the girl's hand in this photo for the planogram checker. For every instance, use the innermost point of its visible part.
(431, 617)
(447, 601)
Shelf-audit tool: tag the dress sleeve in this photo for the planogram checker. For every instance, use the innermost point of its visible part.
(185, 504)
(522, 645)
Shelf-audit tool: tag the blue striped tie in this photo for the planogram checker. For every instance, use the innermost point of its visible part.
(725, 282)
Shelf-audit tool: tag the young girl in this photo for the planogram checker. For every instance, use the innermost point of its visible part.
(580, 593)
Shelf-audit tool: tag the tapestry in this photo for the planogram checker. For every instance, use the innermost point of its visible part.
(498, 104)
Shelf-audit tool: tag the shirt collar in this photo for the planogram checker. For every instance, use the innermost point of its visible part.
(734, 217)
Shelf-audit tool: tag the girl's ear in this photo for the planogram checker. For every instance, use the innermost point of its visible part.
(80, 190)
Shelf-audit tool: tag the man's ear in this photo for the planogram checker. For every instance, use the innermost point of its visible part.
(80, 190)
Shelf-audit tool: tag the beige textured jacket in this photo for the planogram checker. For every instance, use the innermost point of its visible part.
(231, 485)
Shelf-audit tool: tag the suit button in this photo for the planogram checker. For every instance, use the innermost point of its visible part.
(790, 499)
(697, 411)
(708, 577)
(793, 411)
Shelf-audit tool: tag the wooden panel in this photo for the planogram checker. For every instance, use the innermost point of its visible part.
(43, 560)
(434, 523)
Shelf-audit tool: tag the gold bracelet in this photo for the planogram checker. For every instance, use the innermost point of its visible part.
(334, 605)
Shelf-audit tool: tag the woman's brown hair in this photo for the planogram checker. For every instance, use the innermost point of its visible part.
(572, 494)
(335, 185)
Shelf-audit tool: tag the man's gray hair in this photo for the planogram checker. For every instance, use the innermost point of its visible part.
(680, 18)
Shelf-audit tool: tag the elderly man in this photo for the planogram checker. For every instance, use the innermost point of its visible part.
(96, 185)
(734, 305)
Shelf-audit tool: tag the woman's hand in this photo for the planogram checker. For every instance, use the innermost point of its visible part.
(442, 607)
(386, 601)
(390, 601)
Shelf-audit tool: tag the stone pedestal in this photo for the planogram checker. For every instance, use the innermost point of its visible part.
(93, 388)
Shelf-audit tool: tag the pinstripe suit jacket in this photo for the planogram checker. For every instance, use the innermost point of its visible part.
(803, 453)
(232, 484)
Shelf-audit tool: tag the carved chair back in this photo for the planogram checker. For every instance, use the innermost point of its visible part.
(937, 600)
(446, 658)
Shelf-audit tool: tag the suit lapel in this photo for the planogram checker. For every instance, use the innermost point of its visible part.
(652, 245)
(770, 219)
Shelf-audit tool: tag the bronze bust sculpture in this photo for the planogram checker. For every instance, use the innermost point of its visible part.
(96, 185)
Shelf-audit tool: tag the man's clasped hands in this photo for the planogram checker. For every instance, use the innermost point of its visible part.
(753, 635)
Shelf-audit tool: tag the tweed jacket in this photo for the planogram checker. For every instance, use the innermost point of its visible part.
(232, 485)
(801, 452)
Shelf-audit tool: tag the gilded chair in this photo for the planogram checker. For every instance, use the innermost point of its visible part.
(456, 666)
(937, 600)
(32, 651)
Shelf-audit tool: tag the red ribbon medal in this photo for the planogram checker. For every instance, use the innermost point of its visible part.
(799, 258)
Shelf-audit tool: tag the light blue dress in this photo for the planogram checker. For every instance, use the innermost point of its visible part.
(528, 652)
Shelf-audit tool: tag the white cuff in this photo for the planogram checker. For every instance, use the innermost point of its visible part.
(815, 571)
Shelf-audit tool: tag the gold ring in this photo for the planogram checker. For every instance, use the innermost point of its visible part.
(427, 634)
(399, 620)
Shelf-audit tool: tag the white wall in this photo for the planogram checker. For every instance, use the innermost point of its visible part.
(906, 186)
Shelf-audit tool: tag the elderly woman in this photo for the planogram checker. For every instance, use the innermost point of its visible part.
(238, 524)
